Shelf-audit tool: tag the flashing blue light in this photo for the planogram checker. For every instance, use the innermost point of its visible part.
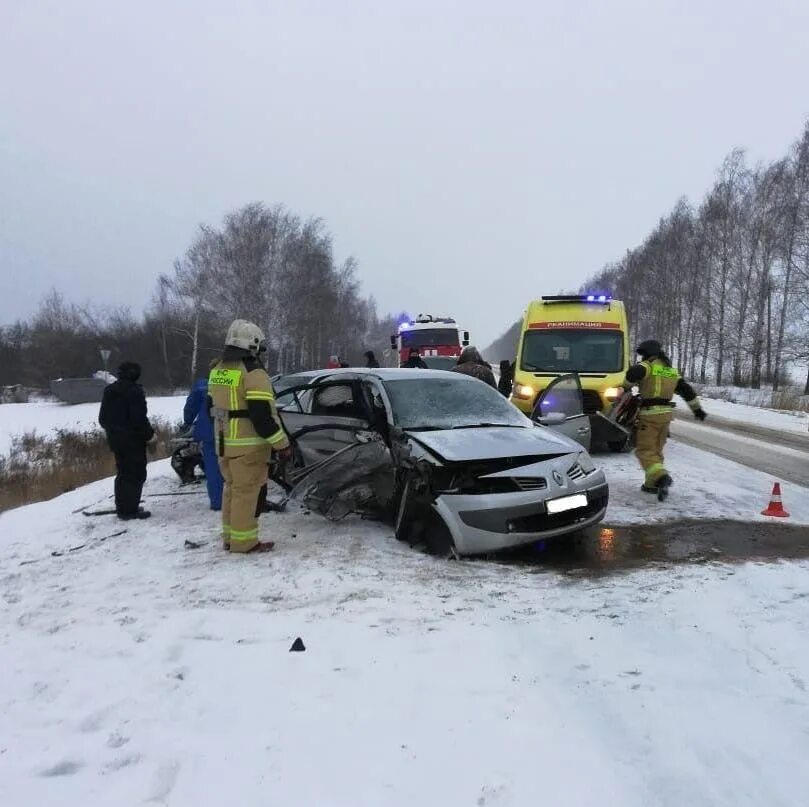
(404, 326)
(602, 298)
(591, 298)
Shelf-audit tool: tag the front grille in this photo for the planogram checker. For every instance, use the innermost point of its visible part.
(541, 522)
(575, 472)
(530, 482)
(591, 401)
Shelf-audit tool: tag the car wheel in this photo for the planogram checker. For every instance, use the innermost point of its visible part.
(438, 538)
(405, 512)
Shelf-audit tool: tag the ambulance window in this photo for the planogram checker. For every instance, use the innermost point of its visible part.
(573, 350)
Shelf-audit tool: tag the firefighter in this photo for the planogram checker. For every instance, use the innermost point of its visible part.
(196, 412)
(123, 418)
(247, 430)
(658, 382)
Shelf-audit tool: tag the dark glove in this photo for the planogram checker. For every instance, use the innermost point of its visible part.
(283, 454)
(699, 414)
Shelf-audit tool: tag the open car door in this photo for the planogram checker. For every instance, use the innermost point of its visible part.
(561, 408)
(322, 418)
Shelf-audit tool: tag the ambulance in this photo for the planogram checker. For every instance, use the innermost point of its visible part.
(586, 335)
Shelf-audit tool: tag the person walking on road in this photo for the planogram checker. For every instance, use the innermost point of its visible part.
(123, 416)
(658, 382)
(414, 360)
(247, 429)
(471, 363)
(196, 413)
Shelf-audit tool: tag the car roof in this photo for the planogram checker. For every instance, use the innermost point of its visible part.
(385, 373)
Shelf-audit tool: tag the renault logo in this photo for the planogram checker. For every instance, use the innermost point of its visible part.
(557, 477)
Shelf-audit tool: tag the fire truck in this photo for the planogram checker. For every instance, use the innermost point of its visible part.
(437, 339)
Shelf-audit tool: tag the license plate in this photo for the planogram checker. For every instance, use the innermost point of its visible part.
(566, 503)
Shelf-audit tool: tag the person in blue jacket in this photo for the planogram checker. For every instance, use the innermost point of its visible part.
(196, 413)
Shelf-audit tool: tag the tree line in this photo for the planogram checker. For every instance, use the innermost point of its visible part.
(724, 285)
(261, 263)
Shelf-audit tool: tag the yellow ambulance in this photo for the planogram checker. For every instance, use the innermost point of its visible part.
(583, 334)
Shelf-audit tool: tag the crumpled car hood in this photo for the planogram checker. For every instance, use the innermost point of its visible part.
(493, 442)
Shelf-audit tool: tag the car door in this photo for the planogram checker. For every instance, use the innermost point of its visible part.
(321, 418)
(561, 408)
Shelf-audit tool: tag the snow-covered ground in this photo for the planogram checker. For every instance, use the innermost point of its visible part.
(795, 422)
(135, 670)
(44, 417)
(705, 487)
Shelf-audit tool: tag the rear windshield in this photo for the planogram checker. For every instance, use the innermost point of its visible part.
(440, 362)
(430, 338)
(433, 402)
(573, 351)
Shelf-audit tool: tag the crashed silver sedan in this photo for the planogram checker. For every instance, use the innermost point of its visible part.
(449, 461)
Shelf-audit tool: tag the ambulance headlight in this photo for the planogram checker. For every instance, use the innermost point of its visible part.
(586, 463)
(523, 391)
(612, 393)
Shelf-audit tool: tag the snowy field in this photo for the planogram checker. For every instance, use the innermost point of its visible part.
(136, 670)
(44, 417)
(795, 422)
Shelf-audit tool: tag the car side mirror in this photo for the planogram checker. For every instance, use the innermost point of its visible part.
(552, 419)
(466, 338)
(393, 343)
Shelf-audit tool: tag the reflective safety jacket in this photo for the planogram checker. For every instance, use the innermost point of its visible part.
(243, 408)
(658, 384)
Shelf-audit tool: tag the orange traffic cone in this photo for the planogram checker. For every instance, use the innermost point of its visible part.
(775, 508)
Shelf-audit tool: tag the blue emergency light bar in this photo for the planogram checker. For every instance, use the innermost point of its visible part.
(577, 298)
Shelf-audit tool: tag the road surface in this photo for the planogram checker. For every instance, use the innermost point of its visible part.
(783, 455)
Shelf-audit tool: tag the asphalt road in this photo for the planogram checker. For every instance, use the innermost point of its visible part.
(783, 455)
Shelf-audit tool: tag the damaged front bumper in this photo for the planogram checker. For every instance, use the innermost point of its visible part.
(491, 522)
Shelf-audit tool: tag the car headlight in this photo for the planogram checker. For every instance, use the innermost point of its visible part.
(523, 391)
(586, 463)
(612, 393)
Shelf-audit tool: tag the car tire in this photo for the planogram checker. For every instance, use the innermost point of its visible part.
(404, 512)
(438, 538)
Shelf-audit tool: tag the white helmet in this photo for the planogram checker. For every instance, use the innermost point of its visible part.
(246, 335)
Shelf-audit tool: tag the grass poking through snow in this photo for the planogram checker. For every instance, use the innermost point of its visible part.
(40, 467)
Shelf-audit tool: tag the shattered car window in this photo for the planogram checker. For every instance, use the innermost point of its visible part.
(447, 403)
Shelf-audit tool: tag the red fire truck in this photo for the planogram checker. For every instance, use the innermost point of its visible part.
(437, 339)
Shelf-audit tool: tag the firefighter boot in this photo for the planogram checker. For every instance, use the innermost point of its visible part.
(663, 485)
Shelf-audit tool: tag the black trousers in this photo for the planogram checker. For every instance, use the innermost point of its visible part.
(130, 462)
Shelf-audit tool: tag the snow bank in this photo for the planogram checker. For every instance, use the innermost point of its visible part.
(44, 417)
(750, 409)
(135, 670)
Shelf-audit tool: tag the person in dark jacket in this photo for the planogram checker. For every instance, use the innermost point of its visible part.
(370, 359)
(414, 360)
(123, 417)
(471, 363)
(506, 377)
(196, 412)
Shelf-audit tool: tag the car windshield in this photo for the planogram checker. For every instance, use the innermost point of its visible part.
(440, 362)
(573, 351)
(450, 403)
(430, 337)
(290, 381)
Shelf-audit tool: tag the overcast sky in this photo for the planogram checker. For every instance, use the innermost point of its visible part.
(470, 154)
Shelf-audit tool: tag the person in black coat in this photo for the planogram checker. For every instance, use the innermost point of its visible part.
(506, 377)
(123, 417)
(370, 359)
(414, 360)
